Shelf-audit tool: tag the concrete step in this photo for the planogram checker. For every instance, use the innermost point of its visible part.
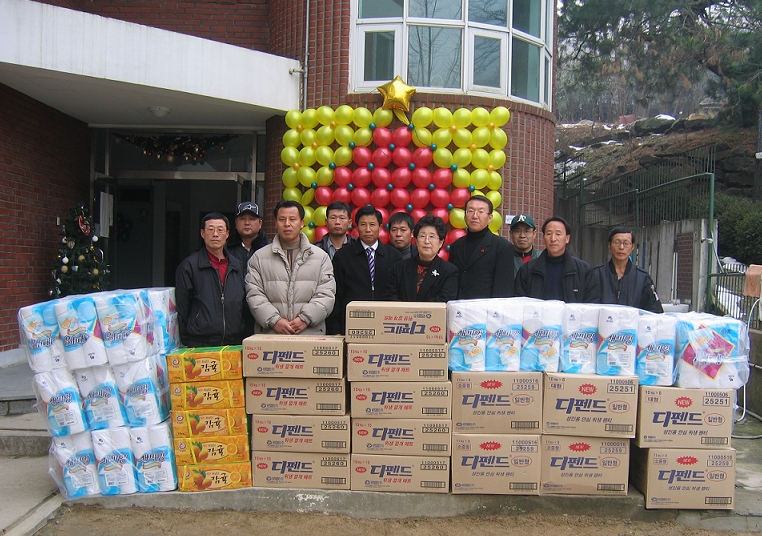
(16, 394)
(24, 435)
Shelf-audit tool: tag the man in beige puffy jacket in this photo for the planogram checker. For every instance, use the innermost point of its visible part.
(290, 287)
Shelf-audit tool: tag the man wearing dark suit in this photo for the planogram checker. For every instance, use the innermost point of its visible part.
(485, 261)
(361, 275)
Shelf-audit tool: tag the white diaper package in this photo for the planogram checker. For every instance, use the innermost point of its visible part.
(541, 335)
(579, 343)
(38, 327)
(73, 466)
(617, 340)
(58, 399)
(102, 401)
(655, 362)
(80, 332)
(115, 461)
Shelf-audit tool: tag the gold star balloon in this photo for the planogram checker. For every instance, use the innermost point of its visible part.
(397, 95)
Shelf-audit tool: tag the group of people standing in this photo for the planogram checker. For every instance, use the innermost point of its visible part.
(227, 291)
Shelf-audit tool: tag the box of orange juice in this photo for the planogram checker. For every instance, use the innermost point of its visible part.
(205, 395)
(209, 422)
(210, 476)
(221, 449)
(205, 364)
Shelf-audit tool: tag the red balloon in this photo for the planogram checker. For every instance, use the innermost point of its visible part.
(444, 254)
(323, 195)
(381, 177)
(421, 177)
(383, 236)
(382, 137)
(420, 197)
(342, 194)
(360, 197)
(320, 232)
(362, 156)
(459, 196)
(382, 157)
(453, 235)
(342, 176)
(440, 197)
(442, 177)
(422, 156)
(361, 177)
(380, 197)
(401, 177)
(417, 214)
(402, 156)
(402, 137)
(400, 197)
(441, 213)
(399, 209)
(384, 215)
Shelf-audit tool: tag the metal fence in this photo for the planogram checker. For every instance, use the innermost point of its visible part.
(727, 295)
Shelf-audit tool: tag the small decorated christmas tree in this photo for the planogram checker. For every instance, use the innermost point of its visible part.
(80, 267)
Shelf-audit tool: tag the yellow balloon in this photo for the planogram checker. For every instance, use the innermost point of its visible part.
(309, 232)
(307, 156)
(480, 117)
(325, 115)
(498, 139)
(324, 155)
(479, 178)
(344, 114)
(496, 223)
(289, 155)
(442, 137)
(442, 117)
(461, 178)
(458, 218)
(363, 117)
(461, 157)
(422, 137)
(383, 117)
(461, 118)
(462, 137)
(363, 136)
(307, 176)
(494, 197)
(289, 178)
(343, 134)
(497, 158)
(292, 194)
(495, 181)
(324, 176)
(481, 136)
(318, 216)
(307, 136)
(500, 116)
(342, 156)
(307, 198)
(293, 118)
(309, 118)
(325, 135)
(291, 138)
(480, 159)
(477, 192)
(443, 157)
(422, 117)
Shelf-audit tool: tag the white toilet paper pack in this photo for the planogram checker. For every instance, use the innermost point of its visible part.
(102, 401)
(73, 466)
(579, 343)
(80, 332)
(115, 461)
(505, 317)
(152, 447)
(467, 330)
(162, 303)
(58, 398)
(655, 362)
(142, 392)
(127, 326)
(541, 335)
(617, 340)
(38, 327)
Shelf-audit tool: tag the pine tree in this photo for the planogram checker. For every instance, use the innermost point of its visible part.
(80, 267)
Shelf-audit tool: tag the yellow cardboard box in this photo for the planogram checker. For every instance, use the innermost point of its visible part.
(209, 476)
(205, 364)
(222, 449)
(209, 422)
(214, 394)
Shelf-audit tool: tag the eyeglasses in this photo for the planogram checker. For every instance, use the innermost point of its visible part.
(215, 230)
(620, 243)
(428, 238)
(480, 213)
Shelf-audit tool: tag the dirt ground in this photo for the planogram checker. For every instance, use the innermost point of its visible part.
(87, 520)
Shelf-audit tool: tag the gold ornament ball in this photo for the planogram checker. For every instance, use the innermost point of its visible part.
(64, 269)
(81, 258)
(95, 271)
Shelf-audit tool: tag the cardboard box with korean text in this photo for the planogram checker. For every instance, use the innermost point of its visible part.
(577, 465)
(211, 449)
(402, 437)
(209, 422)
(396, 322)
(400, 400)
(300, 433)
(498, 464)
(219, 394)
(211, 476)
(590, 405)
(671, 417)
(293, 356)
(685, 478)
(295, 396)
(300, 470)
(405, 474)
(204, 364)
(396, 362)
(497, 402)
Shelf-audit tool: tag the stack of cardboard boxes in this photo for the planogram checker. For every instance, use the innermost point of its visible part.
(208, 418)
(400, 396)
(296, 395)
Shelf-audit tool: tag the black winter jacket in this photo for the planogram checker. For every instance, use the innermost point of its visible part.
(635, 289)
(488, 273)
(580, 283)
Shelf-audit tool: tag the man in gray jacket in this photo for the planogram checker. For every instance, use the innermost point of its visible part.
(290, 287)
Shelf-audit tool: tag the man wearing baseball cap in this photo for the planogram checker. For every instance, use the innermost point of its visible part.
(523, 230)
(248, 224)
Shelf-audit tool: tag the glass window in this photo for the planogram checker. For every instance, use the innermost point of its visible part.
(379, 9)
(379, 56)
(487, 61)
(525, 70)
(434, 57)
(488, 12)
(526, 16)
(436, 9)
(547, 80)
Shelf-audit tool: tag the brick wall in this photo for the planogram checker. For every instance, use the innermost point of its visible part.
(44, 170)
